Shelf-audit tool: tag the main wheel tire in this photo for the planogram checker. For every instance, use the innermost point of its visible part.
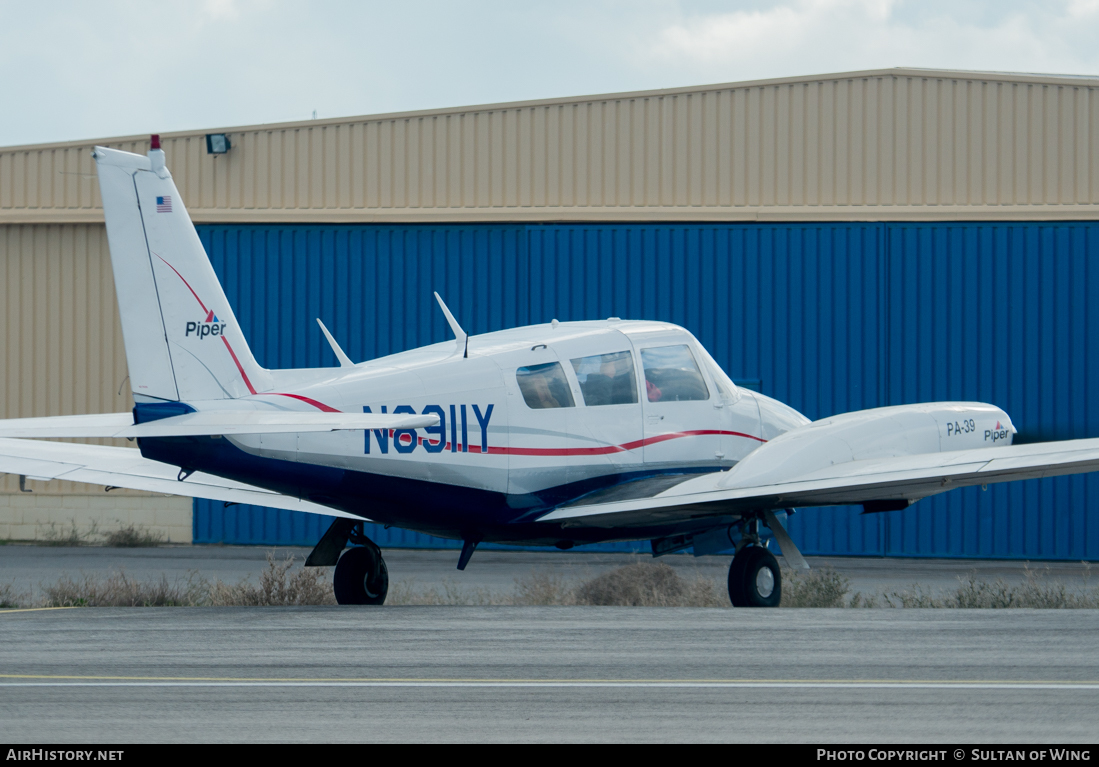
(755, 579)
(356, 582)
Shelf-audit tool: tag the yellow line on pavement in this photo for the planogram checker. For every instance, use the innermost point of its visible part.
(474, 680)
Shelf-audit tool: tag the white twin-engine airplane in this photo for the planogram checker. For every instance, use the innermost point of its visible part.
(556, 435)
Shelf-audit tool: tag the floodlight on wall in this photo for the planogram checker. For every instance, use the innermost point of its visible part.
(217, 143)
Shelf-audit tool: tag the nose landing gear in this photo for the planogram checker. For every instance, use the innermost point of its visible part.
(361, 577)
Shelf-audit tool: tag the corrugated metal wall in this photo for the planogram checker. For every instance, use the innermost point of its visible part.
(61, 347)
(896, 144)
(828, 317)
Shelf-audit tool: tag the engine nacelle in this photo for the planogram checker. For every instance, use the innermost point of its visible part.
(886, 432)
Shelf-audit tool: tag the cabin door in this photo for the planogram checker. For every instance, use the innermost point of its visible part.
(684, 417)
(605, 431)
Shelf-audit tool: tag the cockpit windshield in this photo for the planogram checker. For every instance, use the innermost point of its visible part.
(672, 375)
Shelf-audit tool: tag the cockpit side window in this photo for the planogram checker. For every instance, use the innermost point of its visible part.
(607, 379)
(544, 386)
(672, 375)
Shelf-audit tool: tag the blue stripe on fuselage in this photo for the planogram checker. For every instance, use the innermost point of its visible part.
(448, 511)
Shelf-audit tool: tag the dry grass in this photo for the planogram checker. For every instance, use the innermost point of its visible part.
(133, 536)
(1038, 590)
(542, 588)
(278, 586)
(648, 584)
(119, 590)
(128, 536)
(10, 597)
(446, 593)
(639, 584)
(823, 587)
(52, 535)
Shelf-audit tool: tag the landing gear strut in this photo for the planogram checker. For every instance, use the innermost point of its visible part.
(361, 577)
(754, 576)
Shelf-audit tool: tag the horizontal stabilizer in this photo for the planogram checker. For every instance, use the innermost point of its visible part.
(124, 467)
(207, 422)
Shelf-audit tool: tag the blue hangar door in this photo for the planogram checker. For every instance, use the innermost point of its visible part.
(826, 317)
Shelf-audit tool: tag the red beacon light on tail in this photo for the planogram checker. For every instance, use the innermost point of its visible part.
(156, 157)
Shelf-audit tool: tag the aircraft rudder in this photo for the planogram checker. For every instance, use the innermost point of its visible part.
(185, 336)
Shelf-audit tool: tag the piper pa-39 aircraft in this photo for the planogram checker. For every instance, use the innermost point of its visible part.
(558, 434)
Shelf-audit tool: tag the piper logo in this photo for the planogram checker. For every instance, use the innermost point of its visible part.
(997, 434)
(211, 326)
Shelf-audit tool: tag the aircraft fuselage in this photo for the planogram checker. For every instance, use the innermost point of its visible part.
(532, 419)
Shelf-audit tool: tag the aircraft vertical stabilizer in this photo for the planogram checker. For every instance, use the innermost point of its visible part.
(183, 341)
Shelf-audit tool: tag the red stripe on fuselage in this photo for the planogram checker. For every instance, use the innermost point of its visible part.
(604, 450)
(307, 400)
(625, 447)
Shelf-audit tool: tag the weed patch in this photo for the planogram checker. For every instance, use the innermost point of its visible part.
(541, 588)
(72, 536)
(823, 587)
(639, 584)
(119, 590)
(9, 597)
(649, 584)
(446, 593)
(132, 537)
(277, 586)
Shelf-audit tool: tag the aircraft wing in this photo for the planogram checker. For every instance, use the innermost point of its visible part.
(855, 482)
(124, 467)
(206, 422)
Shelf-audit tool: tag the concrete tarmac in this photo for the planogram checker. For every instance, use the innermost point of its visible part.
(548, 674)
(27, 567)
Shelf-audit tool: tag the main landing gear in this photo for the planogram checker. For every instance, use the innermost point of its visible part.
(361, 577)
(754, 577)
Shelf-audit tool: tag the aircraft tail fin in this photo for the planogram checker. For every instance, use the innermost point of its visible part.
(183, 341)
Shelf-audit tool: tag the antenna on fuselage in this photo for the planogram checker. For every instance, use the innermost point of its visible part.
(459, 335)
(345, 361)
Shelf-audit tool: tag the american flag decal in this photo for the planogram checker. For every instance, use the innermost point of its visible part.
(164, 204)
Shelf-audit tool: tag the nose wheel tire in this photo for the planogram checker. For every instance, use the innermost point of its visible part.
(755, 579)
(361, 577)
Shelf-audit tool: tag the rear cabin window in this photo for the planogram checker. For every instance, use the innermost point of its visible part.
(672, 375)
(607, 379)
(544, 386)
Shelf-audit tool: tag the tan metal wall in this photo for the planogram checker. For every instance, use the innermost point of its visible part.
(61, 353)
(61, 342)
(895, 144)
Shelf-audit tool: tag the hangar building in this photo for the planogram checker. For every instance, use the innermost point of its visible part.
(838, 241)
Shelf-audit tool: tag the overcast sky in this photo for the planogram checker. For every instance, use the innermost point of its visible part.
(79, 70)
